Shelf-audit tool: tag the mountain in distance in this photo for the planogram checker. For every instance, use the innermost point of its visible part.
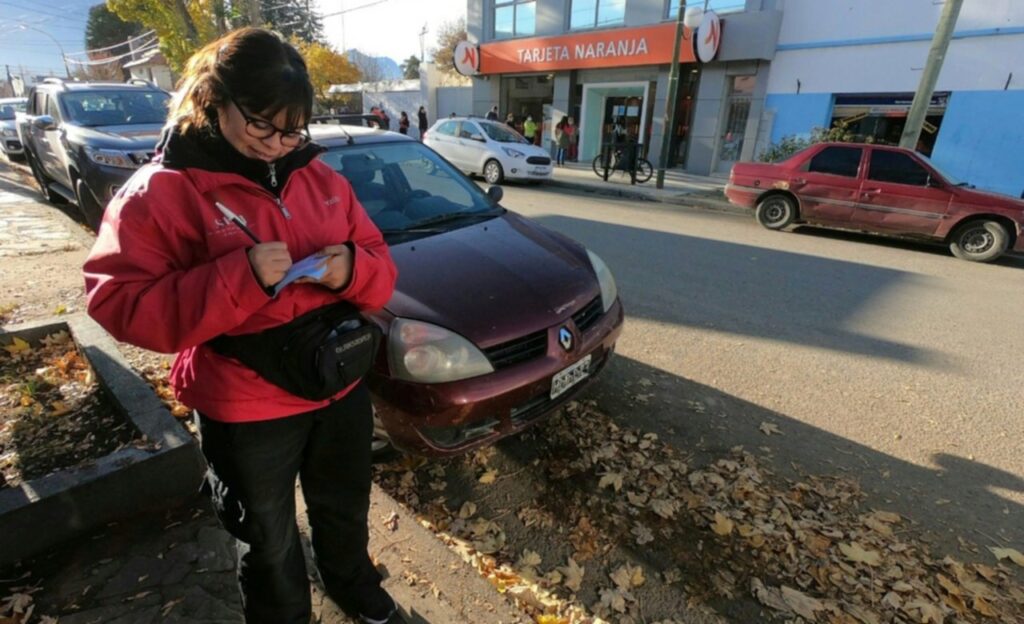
(388, 67)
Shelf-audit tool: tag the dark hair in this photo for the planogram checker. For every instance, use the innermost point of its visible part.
(253, 66)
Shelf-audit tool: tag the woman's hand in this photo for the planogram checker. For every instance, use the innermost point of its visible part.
(338, 265)
(270, 261)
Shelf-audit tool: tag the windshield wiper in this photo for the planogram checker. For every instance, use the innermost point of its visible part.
(430, 224)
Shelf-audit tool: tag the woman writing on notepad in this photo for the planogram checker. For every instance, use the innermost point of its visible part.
(173, 272)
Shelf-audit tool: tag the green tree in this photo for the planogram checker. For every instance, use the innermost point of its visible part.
(293, 19)
(448, 36)
(104, 29)
(411, 68)
(791, 144)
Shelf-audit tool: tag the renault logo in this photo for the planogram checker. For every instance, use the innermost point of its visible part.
(565, 338)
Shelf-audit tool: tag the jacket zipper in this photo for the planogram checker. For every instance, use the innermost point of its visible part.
(273, 184)
(284, 209)
(273, 175)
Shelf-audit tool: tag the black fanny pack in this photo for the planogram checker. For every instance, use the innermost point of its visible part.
(313, 356)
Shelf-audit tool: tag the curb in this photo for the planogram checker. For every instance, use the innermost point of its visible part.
(691, 201)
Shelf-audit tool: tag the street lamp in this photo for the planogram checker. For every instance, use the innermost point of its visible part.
(691, 18)
(59, 46)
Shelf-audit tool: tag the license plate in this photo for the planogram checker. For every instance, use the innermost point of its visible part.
(539, 172)
(569, 377)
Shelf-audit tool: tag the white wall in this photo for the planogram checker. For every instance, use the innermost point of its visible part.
(981, 63)
(817, 20)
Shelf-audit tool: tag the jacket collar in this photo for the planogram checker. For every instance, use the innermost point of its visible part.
(211, 162)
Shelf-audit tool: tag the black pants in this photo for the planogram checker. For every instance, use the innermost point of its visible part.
(252, 471)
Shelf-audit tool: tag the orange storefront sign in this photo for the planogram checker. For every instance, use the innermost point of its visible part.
(621, 47)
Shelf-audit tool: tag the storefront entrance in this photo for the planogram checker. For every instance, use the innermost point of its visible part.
(880, 118)
(604, 105)
(526, 96)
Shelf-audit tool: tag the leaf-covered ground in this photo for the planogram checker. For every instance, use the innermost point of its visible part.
(584, 521)
(53, 414)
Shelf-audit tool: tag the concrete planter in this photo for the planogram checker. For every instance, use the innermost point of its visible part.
(51, 509)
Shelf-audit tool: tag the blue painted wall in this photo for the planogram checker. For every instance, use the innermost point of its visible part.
(982, 140)
(799, 113)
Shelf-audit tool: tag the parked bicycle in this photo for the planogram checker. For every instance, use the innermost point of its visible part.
(623, 159)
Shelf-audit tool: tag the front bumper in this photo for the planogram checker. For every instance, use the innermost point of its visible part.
(105, 181)
(439, 420)
(521, 170)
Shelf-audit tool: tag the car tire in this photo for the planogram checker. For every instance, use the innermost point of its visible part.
(92, 210)
(776, 212)
(979, 241)
(493, 173)
(381, 448)
(43, 182)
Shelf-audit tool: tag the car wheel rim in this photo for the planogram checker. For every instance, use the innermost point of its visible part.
(380, 439)
(492, 173)
(978, 240)
(775, 212)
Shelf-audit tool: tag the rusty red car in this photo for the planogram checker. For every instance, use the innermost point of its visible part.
(881, 190)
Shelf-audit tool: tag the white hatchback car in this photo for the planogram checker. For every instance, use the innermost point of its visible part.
(489, 148)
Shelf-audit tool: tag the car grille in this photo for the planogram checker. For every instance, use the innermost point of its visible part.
(518, 350)
(589, 315)
(538, 160)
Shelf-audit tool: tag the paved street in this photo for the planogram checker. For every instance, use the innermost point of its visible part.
(890, 361)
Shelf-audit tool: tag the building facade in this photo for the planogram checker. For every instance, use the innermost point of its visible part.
(857, 63)
(606, 62)
(784, 68)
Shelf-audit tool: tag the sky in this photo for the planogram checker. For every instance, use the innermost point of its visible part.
(381, 28)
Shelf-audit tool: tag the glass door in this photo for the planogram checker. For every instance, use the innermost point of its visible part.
(737, 111)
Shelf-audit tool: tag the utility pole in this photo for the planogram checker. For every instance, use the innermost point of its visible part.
(925, 90)
(670, 103)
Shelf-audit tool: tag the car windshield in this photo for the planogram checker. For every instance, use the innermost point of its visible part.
(408, 190)
(115, 107)
(8, 109)
(502, 134)
(942, 172)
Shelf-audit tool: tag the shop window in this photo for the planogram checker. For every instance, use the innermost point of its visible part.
(841, 161)
(741, 91)
(596, 14)
(514, 18)
(897, 168)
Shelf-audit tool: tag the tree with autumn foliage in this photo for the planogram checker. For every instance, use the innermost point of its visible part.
(183, 26)
(448, 36)
(326, 67)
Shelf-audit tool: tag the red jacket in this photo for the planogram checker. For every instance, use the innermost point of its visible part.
(168, 273)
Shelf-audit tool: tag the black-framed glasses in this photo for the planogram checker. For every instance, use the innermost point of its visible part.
(262, 129)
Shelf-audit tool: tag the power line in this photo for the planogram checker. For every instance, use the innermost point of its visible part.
(110, 59)
(362, 6)
(35, 10)
(116, 45)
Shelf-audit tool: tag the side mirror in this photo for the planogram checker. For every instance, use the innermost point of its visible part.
(44, 122)
(934, 183)
(495, 193)
(478, 137)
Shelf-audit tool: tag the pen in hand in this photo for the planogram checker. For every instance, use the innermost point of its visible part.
(232, 217)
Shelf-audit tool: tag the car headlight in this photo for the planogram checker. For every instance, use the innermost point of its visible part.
(426, 353)
(10, 132)
(513, 153)
(114, 158)
(609, 291)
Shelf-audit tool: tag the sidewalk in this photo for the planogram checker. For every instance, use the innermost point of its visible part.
(683, 189)
(178, 565)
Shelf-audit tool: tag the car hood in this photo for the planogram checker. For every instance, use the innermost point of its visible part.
(130, 137)
(9, 123)
(494, 281)
(978, 196)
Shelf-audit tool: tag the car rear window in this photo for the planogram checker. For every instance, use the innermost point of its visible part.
(897, 168)
(841, 161)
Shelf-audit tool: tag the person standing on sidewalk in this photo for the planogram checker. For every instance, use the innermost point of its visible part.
(529, 128)
(492, 115)
(561, 141)
(403, 123)
(423, 124)
(570, 129)
(172, 272)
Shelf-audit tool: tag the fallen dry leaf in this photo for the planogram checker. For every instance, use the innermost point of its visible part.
(802, 604)
(722, 525)
(856, 552)
(1008, 553)
(573, 573)
(488, 477)
(768, 429)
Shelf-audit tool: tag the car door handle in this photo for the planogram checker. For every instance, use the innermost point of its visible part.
(870, 192)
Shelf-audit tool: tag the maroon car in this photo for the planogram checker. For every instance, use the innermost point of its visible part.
(495, 322)
(879, 189)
